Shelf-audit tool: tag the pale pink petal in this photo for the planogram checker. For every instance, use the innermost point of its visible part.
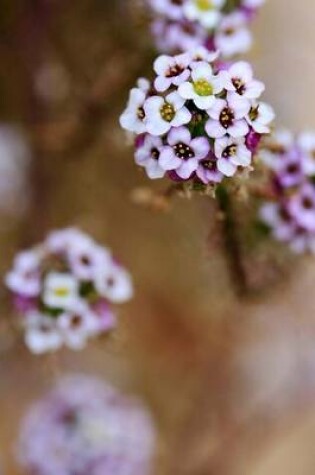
(182, 117)
(179, 134)
(226, 167)
(217, 108)
(187, 168)
(201, 147)
(186, 90)
(239, 129)
(214, 129)
(162, 83)
(168, 159)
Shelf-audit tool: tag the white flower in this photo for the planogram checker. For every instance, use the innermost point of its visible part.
(174, 36)
(183, 154)
(260, 116)
(168, 8)
(77, 325)
(281, 224)
(86, 257)
(24, 279)
(60, 290)
(147, 155)
(228, 117)
(203, 87)
(164, 113)
(132, 119)
(202, 54)
(207, 12)
(306, 143)
(59, 242)
(231, 153)
(232, 36)
(115, 285)
(41, 334)
(171, 70)
(143, 84)
(279, 144)
(239, 78)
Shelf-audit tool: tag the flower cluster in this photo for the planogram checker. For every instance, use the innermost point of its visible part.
(85, 426)
(180, 25)
(291, 215)
(63, 289)
(196, 121)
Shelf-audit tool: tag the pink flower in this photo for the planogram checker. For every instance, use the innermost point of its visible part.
(232, 36)
(208, 172)
(231, 153)
(239, 79)
(57, 285)
(133, 118)
(302, 207)
(171, 70)
(148, 154)
(289, 171)
(84, 426)
(164, 113)
(183, 153)
(228, 117)
(172, 9)
(24, 279)
(171, 37)
(260, 116)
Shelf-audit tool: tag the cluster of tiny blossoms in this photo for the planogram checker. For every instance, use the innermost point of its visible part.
(85, 427)
(291, 214)
(63, 289)
(197, 121)
(180, 25)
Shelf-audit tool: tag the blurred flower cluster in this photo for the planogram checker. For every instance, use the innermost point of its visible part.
(197, 120)
(85, 426)
(291, 215)
(63, 289)
(181, 25)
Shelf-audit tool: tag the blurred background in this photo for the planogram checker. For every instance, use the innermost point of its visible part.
(231, 383)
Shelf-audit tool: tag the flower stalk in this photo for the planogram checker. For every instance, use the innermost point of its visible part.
(231, 242)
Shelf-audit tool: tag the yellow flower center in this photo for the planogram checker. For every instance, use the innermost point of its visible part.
(167, 112)
(204, 5)
(203, 88)
(61, 292)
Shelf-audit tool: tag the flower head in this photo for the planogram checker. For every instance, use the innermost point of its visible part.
(233, 36)
(85, 426)
(200, 122)
(181, 25)
(291, 217)
(207, 12)
(64, 288)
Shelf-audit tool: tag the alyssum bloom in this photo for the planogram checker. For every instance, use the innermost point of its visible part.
(196, 122)
(64, 289)
(291, 215)
(179, 25)
(86, 427)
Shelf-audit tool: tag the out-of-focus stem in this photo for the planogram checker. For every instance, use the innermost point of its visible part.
(231, 242)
